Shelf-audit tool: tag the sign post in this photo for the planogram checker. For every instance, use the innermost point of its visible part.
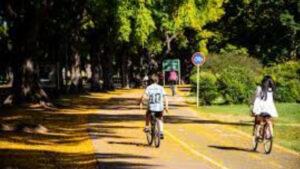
(198, 60)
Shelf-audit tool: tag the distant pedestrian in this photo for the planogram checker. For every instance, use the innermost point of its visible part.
(173, 78)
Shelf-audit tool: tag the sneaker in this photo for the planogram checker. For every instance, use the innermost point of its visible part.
(161, 136)
(146, 129)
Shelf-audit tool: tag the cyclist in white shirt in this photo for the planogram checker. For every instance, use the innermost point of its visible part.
(156, 99)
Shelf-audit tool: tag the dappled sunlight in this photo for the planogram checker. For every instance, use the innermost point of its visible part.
(65, 130)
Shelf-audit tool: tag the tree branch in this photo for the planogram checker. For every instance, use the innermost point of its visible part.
(9, 10)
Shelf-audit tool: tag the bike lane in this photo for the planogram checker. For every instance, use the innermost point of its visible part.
(191, 141)
(218, 140)
(116, 131)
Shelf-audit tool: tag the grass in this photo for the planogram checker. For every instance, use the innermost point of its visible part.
(288, 112)
(287, 125)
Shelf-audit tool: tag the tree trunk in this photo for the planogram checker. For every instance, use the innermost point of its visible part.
(125, 75)
(107, 72)
(26, 87)
(294, 46)
(96, 70)
(95, 63)
(76, 82)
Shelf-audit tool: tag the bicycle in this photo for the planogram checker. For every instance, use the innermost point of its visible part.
(154, 134)
(262, 133)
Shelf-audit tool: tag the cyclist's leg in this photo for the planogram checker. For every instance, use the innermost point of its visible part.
(255, 125)
(161, 124)
(147, 119)
(259, 119)
(269, 127)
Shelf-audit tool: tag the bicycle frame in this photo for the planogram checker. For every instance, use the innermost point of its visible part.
(260, 133)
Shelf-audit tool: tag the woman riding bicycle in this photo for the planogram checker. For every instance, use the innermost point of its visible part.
(263, 107)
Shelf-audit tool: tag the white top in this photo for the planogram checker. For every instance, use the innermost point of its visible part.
(264, 106)
(155, 94)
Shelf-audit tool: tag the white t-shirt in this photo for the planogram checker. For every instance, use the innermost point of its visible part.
(155, 94)
(264, 106)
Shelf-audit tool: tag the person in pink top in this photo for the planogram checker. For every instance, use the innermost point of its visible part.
(173, 80)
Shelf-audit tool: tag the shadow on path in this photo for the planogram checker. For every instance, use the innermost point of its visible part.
(231, 148)
(54, 160)
(130, 143)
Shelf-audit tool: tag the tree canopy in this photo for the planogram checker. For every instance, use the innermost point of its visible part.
(94, 41)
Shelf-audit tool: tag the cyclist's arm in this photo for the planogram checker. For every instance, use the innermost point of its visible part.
(143, 98)
(166, 103)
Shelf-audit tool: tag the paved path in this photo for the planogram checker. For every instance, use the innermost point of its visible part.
(191, 141)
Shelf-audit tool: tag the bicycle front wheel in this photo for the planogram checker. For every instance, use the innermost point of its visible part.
(157, 134)
(268, 145)
(268, 140)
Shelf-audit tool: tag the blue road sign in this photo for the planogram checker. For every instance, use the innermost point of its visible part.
(198, 59)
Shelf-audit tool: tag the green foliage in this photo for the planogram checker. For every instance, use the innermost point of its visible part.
(3, 28)
(229, 48)
(268, 29)
(236, 84)
(154, 45)
(208, 87)
(124, 11)
(144, 23)
(287, 79)
(235, 74)
(218, 62)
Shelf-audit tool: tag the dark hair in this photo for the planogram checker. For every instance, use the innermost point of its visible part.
(266, 84)
(154, 79)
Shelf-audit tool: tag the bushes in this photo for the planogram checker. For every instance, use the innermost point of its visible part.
(219, 62)
(287, 80)
(208, 87)
(231, 76)
(234, 76)
(236, 84)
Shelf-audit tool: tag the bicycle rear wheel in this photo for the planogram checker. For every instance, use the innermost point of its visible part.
(157, 134)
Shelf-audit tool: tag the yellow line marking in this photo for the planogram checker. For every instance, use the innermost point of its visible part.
(254, 156)
(275, 164)
(194, 151)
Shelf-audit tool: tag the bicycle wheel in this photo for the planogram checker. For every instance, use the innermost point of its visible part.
(149, 137)
(254, 138)
(157, 134)
(268, 141)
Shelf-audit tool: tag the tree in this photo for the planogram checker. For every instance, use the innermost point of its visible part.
(268, 29)
(24, 20)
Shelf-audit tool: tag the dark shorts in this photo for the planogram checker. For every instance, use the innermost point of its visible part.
(264, 114)
(157, 113)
